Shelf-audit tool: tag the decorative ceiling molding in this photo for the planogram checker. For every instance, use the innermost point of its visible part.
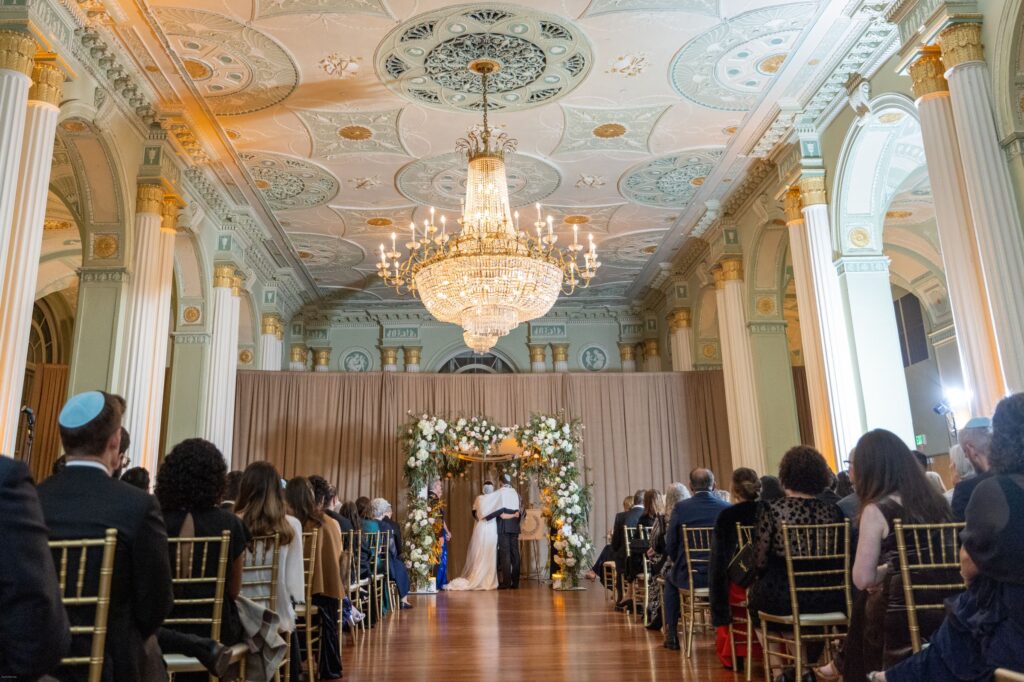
(273, 8)
(588, 129)
(287, 182)
(599, 7)
(670, 181)
(376, 222)
(334, 133)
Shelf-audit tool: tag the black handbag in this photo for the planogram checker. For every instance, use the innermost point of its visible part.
(742, 570)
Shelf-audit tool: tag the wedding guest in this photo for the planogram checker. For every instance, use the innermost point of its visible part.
(396, 567)
(325, 498)
(607, 553)
(960, 469)
(444, 536)
(771, 489)
(189, 487)
(844, 484)
(327, 589)
(138, 477)
(623, 519)
(983, 626)
(83, 501)
(891, 486)
(123, 459)
(850, 503)
(653, 509)
(699, 511)
(829, 494)
(725, 596)
(976, 440)
(34, 631)
(232, 481)
(261, 508)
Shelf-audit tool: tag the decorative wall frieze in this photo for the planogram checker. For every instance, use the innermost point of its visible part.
(184, 136)
(102, 275)
(767, 327)
(189, 339)
(747, 190)
(712, 210)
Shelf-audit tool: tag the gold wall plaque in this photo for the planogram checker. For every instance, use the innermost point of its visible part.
(191, 314)
(106, 246)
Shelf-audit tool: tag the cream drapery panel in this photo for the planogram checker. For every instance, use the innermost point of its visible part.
(641, 430)
(46, 397)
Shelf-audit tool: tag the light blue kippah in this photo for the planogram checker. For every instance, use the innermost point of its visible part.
(81, 409)
(979, 423)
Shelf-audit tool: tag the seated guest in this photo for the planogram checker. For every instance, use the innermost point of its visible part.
(124, 460)
(803, 474)
(261, 508)
(829, 494)
(83, 501)
(138, 477)
(189, 488)
(844, 484)
(396, 567)
(891, 486)
(960, 469)
(325, 497)
(623, 519)
(652, 511)
(327, 589)
(700, 511)
(657, 558)
(724, 546)
(850, 503)
(231, 483)
(370, 525)
(606, 554)
(771, 489)
(34, 630)
(984, 626)
(976, 440)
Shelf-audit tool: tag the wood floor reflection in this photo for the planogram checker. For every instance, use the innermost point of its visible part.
(531, 634)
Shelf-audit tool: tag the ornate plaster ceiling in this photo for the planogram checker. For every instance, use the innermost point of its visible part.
(344, 113)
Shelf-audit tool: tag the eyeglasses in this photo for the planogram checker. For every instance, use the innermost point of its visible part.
(124, 461)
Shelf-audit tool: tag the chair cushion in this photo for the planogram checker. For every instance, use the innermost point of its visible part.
(818, 619)
(178, 663)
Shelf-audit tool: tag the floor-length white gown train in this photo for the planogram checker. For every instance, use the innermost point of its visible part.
(481, 568)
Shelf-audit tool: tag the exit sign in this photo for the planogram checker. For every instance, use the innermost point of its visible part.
(920, 440)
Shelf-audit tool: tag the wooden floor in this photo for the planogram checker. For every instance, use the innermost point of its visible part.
(532, 634)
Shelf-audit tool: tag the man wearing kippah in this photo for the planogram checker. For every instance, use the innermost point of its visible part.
(83, 501)
(975, 439)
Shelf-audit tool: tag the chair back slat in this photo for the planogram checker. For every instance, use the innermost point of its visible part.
(817, 560)
(697, 550)
(199, 569)
(929, 558)
(93, 600)
(744, 535)
(262, 558)
(310, 546)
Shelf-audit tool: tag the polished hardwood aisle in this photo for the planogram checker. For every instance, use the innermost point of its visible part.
(532, 634)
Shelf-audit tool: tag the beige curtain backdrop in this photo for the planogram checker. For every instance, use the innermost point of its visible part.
(640, 431)
(46, 397)
(803, 406)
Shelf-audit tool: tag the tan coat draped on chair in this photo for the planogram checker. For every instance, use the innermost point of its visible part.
(327, 576)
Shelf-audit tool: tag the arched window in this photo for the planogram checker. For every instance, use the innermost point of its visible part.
(468, 362)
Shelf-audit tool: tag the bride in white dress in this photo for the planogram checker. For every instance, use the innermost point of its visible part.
(481, 570)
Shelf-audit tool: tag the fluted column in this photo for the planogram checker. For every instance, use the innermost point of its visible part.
(389, 358)
(538, 357)
(223, 359)
(996, 220)
(972, 314)
(411, 358)
(231, 369)
(18, 285)
(16, 64)
(833, 330)
(738, 367)
(560, 356)
(810, 329)
(652, 355)
(322, 360)
(627, 356)
(297, 358)
(681, 339)
(148, 305)
(270, 345)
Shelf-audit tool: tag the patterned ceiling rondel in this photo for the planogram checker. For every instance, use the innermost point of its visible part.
(542, 57)
(287, 182)
(670, 181)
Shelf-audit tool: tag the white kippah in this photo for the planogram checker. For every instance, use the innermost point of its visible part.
(81, 409)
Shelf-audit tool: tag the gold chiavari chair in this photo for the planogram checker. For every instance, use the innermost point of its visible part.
(259, 580)
(744, 536)
(929, 556)
(198, 573)
(357, 586)
(393, 597)
(817, 561)
(376, 578)
(1003, 675)
(73, 557)
(697, 551)
(635, 541)
(609, 576)
(306, 614)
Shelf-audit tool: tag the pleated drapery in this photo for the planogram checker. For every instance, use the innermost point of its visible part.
(46, 397)
(640, 430)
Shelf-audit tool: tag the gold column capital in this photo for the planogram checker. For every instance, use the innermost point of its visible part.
(732, 268)
(389, 355)
(680, 318)
(236, 285)
(812, 190)
(627, 351)
(223, 276)
(412, 354)
(537, 352)
(149, 198)
(298, 352)
(169, 213)
(928, 72)
(651, 348)
(961, 43)
(17, 50)
(560, 352)
(322, 357)
(270, 323)
(279, 331)
(792, 204)
(716, 272)
(47, 83)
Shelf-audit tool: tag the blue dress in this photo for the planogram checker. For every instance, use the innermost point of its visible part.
(442, 564)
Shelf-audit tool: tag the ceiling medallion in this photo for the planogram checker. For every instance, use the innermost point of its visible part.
(670, 181)
(608, 130)
(541, 57)
(379, 222)
(491, 276)
(355, 133)
(197, 70)
(772, 64)
(576, 219)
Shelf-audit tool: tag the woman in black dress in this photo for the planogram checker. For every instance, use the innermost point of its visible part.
(984, 626)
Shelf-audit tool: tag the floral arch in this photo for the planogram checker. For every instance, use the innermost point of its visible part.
(548, 448)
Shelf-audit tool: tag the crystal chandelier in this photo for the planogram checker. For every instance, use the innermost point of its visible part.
(490, 276)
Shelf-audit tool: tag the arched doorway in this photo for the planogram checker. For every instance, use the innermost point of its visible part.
(468, 362)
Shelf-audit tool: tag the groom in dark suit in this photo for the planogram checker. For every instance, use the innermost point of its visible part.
(508, 542)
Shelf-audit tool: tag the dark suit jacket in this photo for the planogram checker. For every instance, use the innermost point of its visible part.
(622, 519)
(83, 502)
(699, 511)
(34, 630)
(962, 495)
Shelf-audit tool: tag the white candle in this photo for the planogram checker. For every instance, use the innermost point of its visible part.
(575, 234)
(551, 223)
(393, 244)
(539, 219)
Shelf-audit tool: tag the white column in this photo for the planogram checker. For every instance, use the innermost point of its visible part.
(867, 292)
(147, 306)
(388, 359)
(627, 356)
(411, 357)
(738, 367)
(297, 358)
(833, 331)
(18, 285)
(560, 357)
(681, 338)
(321, 359)
(270, 346)
(228, 434)
(223, 349)
(996, 221)
(652, 356)
(538, 355)
(972, 315)
(16, 52)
